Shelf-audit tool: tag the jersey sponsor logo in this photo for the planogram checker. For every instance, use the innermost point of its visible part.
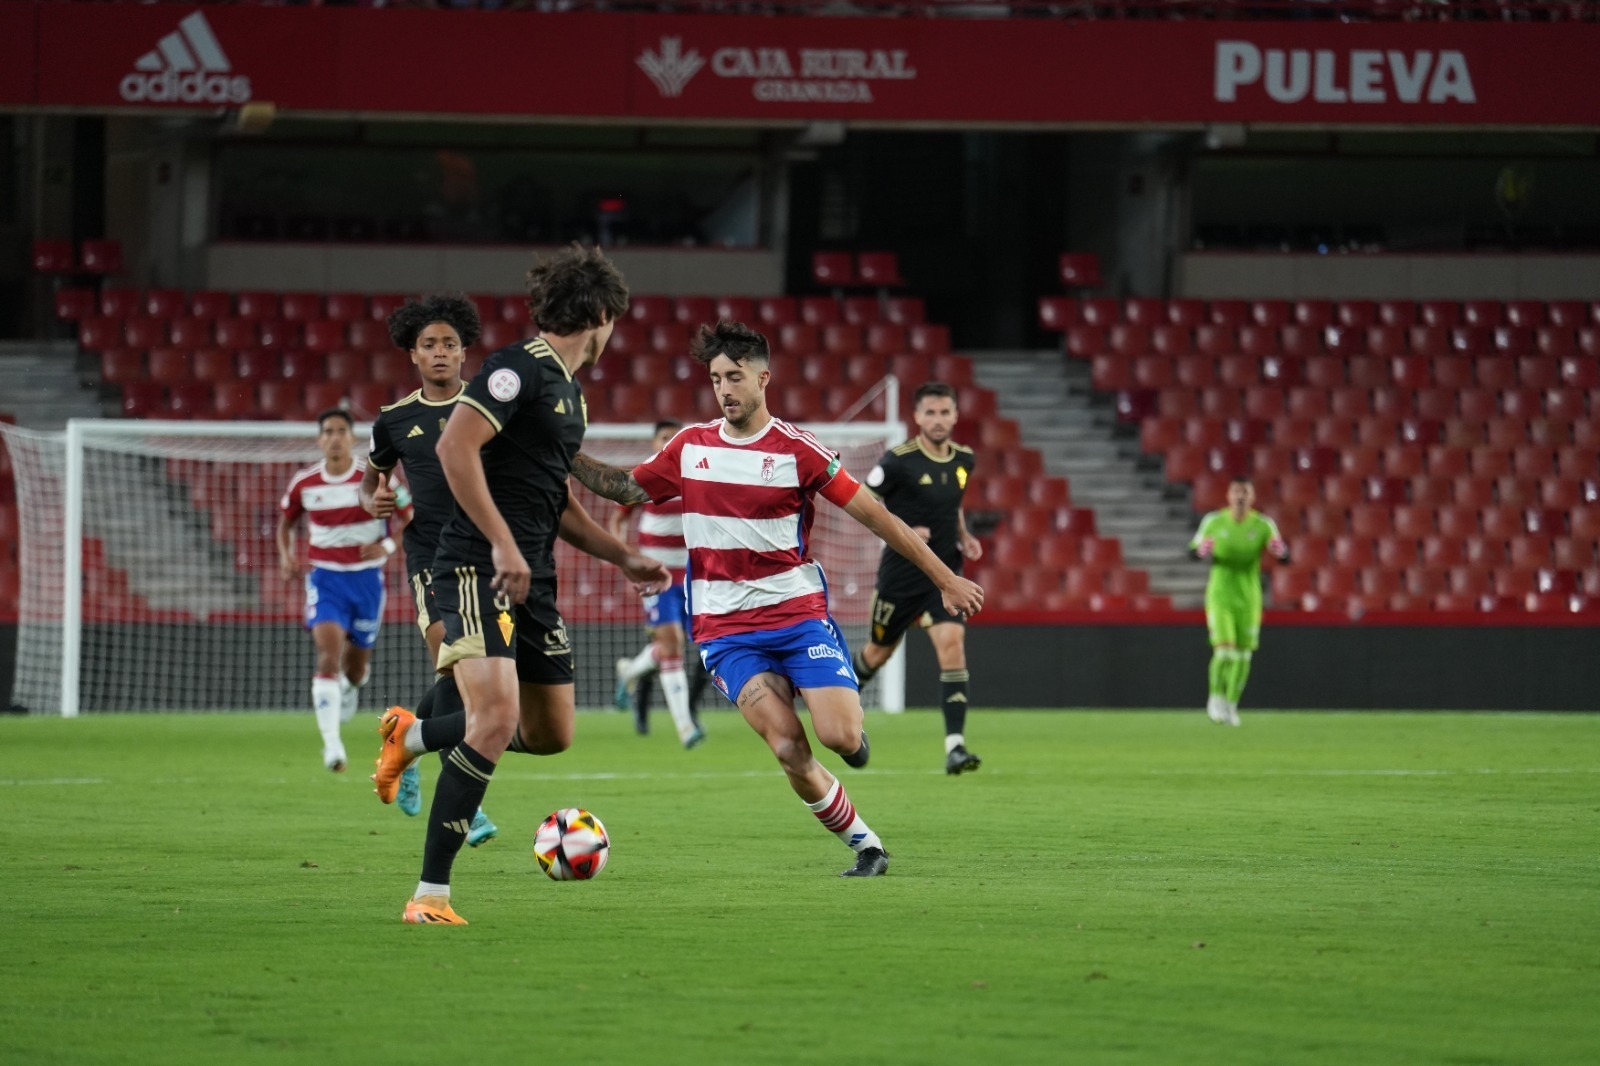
(824, 651)
(875, 477)
(441, 425)
(416, 431)
(186, 66)
(504, 384)
(769, 468)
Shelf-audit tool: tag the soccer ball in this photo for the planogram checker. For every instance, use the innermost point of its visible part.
(571, 845)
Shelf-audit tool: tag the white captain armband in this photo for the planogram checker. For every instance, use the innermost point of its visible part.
(388, 545)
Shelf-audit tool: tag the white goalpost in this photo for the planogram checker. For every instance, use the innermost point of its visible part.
(150, 581)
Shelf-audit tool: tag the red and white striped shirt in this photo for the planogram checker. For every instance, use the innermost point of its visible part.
(661, 535)
(339, 526)
(748, 505)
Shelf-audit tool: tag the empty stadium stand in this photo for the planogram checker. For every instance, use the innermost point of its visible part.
(1437, 456)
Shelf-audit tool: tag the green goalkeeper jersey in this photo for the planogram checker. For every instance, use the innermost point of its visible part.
(1236, 553)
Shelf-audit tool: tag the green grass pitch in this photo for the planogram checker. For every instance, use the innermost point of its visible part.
(1110, 888)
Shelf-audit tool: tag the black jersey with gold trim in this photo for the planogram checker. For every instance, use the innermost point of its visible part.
(922, 489)
(539, 416)
(407, 433)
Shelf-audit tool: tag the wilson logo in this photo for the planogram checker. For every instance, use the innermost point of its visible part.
(187, 66)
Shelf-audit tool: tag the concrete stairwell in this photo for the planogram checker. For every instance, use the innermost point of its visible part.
(40, 384)
(1052, 402)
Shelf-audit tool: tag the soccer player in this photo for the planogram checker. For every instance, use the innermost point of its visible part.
(661, 537)
(1233, 539)
(758, 601)
(922, 482)
(506, 453)
(436, 332)
(344, 590)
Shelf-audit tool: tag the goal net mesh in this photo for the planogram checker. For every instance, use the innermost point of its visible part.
(183, 606)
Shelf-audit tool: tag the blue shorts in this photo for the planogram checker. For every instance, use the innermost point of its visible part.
(350, 599)
(810, 654)
(669, 608)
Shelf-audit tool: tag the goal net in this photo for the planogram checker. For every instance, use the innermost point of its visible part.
(150, 580)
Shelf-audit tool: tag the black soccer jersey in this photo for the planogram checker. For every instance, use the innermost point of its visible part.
(407, 432)
(539, 417)
(923, 490)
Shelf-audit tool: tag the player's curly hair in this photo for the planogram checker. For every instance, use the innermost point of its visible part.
(735, 340)
(451, 308)
(574, 290)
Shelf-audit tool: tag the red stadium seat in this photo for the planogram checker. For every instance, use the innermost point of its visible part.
(843, 339)
(885, 338)
(215, 365)
(903, 310)
(237, 333)
(1258, 342)
(1578, 462)
(1313, 314)
(1442, 314)
(73, 305)
(276, 333)
(170, 365)
(880, 269)
(1171, 340)
(256, 305)
(647, 311)
(1471, 340)
(190, 332)
(1387, 491)
(323, 395)
(1230, 313)
(1510, 340)
(53, 257)
(234, 400)
(1186, 312)
(1525, 314)
(1307, 402)
(1484, 314)
(1491, 372)
(1300, 342)
(381, 305)
(1410, 372)
(1429, 341)
(143, 332)
(142, 399)
(860, 310)
(1337, 431)
(833, 269)
(119, 366)
(347, 306)
(162, 303)
(1402, 460)
(1079, 270)
(1567, 314)
(324, 335)
(1270, 313)
(1213, 340)
(1056, 313)
(1387, 341)
(347, 366)
(736, 309)
(696, 311)
(1344, 341)
(1144, 311)
(100, 257)
(927, 339)
(190, 399)
(1398, 313)
(1152, 371)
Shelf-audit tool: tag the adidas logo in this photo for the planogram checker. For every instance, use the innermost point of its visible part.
(416, 431)
(186, 66)
(843, 671)
(561, 407)
(703, 464)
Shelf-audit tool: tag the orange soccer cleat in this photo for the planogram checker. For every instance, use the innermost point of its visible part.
(432, 910)
(393, 758)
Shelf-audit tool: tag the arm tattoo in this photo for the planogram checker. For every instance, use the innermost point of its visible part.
(607, 481)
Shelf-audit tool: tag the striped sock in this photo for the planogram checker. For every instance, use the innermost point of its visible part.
(953, 699)
(838, 816)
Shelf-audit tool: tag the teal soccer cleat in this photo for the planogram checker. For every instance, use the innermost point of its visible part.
(481, 831)
(409, 795)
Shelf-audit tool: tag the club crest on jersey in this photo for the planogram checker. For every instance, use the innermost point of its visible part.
(961, 477)
(504, 384)
(769, 468)
(722, 686)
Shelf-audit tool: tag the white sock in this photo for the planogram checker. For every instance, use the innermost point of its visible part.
(413, 739)
(325, 701)
(838, 815)
(952, 741)
(349, 696)
(675, 687)
(640, 664)
(428, 888)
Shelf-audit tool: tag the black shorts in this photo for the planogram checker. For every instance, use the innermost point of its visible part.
(896, 604)
(427, 608)
(480, 623)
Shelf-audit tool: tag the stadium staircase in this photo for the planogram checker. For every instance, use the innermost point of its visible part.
(40, 386)
(1060, 417)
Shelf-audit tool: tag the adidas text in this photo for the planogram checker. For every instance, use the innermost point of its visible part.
(196, 87)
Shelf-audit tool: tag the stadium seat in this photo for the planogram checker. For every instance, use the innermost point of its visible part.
(1258, 342)
(276, 333)
(1402, 461)
(693, 312)
(1215, 340)
(72, 304)
(1079, 270)
(1428, 341)
(170, 365)
(903, 310)
(1049, 493)
(347, 366)
(857, 310)
(1335, 431)
(1344, 341)
(1379, 584)
(928, 339)
(1313, 314)
(350, 306)
(1238, 372)
(367, 398)
(1453, 373)
(1441, 553)
(1524, 314)
(1289, 584)
(1380, 431)
(1144, 311)
(1300, 342)
(1151, 371)
(119, 366)
(1516, 584)
(1129, 341)
(1484, 314)
(647, 311)
(1307, 402)
(1442, 314)
(163, 303)
(1270, 313)
(1248, 431)
(100, 257)
(323, 335)
(1171, 340)
(879, 269)
(144, 332)
(1333, 583)
(190, 399)
(1410, 372)
(1471, 340)
(1554, 341)
(190, 332)
(1230, 313)
(1386, 342)
(1578, 462)
(1512, 341)
(300, 306)
(1567, 314)
(383, 304)
(1057, 313)
(1186, 312)
(671, 338)
(236, 333)
(1401, 314)
(832, 269)
(234, 400)
(52, 257)
(322, 395)
(121, 303)
(142, 399)
(1470, 581)
(1580, 372)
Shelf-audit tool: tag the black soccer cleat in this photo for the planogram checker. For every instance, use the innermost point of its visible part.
(870, 862)
(960, 760)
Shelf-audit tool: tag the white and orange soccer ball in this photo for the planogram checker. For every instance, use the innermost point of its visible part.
(571, 845)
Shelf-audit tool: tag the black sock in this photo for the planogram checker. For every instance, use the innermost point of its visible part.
(953, 700)
(446, 723)
(861, 754)
(864, 673)
(457, 795)
(697, 688)
(425, 705)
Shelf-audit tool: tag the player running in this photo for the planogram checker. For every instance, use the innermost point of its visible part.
(1233, 539)
(758, 600)
(436, 333)
(506, 453)
(922, 482)
(344, 590)
(661, 537)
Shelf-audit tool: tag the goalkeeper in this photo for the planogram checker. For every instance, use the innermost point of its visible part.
(1233, 540)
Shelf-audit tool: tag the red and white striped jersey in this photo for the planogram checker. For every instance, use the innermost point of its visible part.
(748, 506)
(661, 535)
(332, 506)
